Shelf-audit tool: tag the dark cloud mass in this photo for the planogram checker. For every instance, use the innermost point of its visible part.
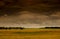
(11, 6)
(31, 12)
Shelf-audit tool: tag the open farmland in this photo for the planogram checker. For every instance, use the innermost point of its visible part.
(30, 34)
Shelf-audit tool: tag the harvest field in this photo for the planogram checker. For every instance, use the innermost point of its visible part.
(30, 34)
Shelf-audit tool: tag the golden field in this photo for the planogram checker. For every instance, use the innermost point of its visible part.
(30, 34)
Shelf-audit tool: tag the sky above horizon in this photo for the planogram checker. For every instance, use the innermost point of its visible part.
(26, 13)
(29, 19)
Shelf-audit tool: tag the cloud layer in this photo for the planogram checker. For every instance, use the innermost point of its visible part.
(30, 19)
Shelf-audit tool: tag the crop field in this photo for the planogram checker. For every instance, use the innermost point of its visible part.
(30, 34)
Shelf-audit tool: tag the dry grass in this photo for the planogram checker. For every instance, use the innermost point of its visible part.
(30, 34)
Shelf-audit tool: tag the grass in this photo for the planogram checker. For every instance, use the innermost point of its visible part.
(30, 34)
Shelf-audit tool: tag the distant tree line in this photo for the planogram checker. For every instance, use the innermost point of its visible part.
(52, 27)
(12, 28)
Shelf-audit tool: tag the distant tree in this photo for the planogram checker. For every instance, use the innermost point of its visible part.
(21, 28)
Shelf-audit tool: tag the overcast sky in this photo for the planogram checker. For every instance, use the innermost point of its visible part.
(30, 13)
(30, 19)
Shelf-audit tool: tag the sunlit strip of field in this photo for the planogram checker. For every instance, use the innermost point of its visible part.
(30, 34)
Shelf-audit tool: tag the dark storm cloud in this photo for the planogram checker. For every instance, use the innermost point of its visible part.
(48, 7)
(11, 6)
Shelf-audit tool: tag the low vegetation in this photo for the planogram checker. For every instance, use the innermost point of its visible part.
(30, 34)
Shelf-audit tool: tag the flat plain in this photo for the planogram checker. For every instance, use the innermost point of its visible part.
(30, 34)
